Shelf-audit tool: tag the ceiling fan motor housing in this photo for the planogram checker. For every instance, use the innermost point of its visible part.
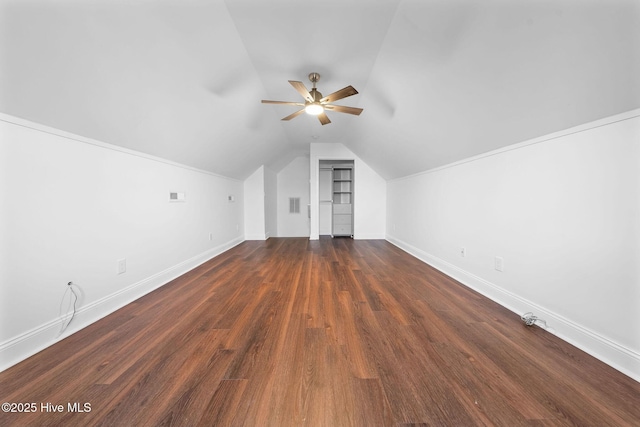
(317, 96)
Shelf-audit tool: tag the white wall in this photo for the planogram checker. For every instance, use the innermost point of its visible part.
(254, 203)
(293, 181)
(370, 192)
(270, 203)
(563, 211)
(71, 207)
(325, 191)
(260, 195)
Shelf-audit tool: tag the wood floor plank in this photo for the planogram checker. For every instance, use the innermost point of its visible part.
(222, 409)
(370, 404)
(335, 332)
(433, 397)
(192, 404)
(250, 338)
(360, 363)
(283, 398)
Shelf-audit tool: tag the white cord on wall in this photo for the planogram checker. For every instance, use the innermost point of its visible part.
(72, 296)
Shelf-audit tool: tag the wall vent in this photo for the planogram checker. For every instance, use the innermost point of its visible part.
(294, 205)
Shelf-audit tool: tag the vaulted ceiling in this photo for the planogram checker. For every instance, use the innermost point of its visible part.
(439, 80)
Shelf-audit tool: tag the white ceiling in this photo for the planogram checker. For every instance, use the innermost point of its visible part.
(439, 80)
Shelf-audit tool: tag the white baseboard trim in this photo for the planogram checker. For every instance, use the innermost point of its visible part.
(256, 237)
(613, 354)
(31, 342)
(372, 236)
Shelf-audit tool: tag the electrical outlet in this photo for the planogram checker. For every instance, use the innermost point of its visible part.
(499, 263)
(210, 236)
(122, 266)
(463, 252)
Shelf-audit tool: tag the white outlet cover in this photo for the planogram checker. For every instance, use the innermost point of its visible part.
(499, 263)
(122, 266)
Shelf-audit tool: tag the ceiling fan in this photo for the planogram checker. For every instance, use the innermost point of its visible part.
(315, 104)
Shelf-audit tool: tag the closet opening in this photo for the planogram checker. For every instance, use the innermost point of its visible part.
(336, 198)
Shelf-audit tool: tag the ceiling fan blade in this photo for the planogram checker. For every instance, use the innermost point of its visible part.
(323, 118)
(302, 90)
(343, 109)
(265, 101)
(296, 114)
(342, 93)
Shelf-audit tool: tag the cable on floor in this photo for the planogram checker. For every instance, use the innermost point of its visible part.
(529, 319)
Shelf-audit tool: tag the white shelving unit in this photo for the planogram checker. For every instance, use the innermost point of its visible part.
(342, 211)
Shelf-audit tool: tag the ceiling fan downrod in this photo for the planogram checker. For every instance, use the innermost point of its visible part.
(317, 96)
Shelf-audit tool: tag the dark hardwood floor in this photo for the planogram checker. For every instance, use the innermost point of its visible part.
(336, 332)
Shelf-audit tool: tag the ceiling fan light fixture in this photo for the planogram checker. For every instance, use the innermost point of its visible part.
(315, 104)
(314, 109)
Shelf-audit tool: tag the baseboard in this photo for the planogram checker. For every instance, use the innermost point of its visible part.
(31, 342)
(613, 354)
(256, 237)
(373, 236)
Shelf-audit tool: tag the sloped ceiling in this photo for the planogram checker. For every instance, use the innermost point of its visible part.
(439, 80)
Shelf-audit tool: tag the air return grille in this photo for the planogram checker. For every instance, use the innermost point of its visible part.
(294, 205)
